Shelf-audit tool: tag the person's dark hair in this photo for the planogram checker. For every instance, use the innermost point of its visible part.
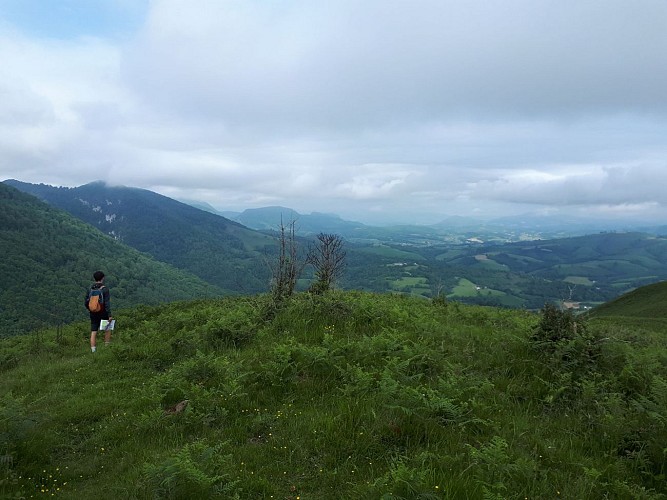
(98, 275)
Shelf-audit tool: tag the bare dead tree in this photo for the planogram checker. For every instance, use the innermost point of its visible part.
(439, 296)
(288, 267)
(328, 258)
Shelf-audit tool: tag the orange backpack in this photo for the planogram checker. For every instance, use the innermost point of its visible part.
(96, 300)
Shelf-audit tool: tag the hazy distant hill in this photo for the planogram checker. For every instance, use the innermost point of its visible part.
(457, 221)
(453, 229)
(202, 205)
(269, 218)
(554, 225)
(48, 258)
(218, 250)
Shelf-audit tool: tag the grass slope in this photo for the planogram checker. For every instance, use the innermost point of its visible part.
(350, 395)
(645, 304)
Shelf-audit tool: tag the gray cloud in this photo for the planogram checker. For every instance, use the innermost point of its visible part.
(399, 109)
(349, 64)
(581, 185)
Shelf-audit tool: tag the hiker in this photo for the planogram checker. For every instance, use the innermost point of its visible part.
(99, 306)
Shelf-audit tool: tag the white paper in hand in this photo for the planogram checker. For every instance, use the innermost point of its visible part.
(105, 324)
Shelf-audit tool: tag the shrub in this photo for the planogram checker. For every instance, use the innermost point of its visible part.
(566, 341)
(556, 325)
(440, 300)
(232, 330)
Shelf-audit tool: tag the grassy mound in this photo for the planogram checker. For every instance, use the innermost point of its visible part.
(642, 306)
(350, 395)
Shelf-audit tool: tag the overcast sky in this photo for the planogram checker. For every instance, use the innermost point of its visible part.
(377, 110)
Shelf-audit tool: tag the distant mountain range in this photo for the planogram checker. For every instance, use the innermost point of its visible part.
(269, 218)
(453, 229)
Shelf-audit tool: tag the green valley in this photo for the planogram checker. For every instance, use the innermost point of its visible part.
(582, 271)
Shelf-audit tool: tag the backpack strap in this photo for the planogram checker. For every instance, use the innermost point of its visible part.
(91, 289)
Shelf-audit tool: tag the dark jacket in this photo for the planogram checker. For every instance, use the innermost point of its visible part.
(106, 296)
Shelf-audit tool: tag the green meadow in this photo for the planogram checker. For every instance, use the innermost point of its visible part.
(349, 395)
(579, 280)
(411, 284)
(466, 288)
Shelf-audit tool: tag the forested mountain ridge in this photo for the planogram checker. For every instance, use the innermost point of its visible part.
(48, 257)
(220, 251)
